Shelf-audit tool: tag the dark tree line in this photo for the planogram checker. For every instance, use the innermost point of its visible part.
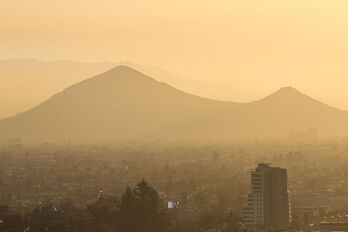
(139, 210)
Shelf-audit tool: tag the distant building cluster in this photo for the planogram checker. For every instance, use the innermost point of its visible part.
(67, 188)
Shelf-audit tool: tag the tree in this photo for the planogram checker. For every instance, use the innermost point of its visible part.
(127, 201)
(140, 209)
(128, 210)
(148, 216)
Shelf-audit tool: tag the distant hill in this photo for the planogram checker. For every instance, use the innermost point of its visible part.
(28, 82)
(124, 104)
(225, 92)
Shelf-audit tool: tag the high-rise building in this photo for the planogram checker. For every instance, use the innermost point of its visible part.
(268, 202)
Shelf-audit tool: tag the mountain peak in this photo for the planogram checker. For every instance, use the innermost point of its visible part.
(123, 69)
(288, 92)
(288, 95)
(121, 73)
(288, 89)
(124, 104)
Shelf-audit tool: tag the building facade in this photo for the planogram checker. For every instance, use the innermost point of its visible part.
(268, 202)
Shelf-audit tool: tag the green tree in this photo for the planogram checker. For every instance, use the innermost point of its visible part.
(128, 210)
(147, 207)
(140, 209)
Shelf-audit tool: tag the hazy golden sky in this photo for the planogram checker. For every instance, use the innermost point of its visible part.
(257, 45)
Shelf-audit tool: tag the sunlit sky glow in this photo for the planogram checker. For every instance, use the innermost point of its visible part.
(258, 46)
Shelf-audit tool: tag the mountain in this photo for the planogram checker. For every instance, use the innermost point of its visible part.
(27, 82)
(37, 80)
(124, 104)
(225, 92)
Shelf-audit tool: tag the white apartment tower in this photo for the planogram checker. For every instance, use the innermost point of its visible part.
(268, 202)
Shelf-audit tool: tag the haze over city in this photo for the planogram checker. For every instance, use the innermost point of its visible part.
(173, 116)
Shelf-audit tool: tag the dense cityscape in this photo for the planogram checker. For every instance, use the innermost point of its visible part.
(217, 187)
(173, 116)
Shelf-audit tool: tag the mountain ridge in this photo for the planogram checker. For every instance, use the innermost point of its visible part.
(46, 78)
(125, 104)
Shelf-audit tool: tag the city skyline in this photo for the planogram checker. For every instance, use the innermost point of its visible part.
(173, 116)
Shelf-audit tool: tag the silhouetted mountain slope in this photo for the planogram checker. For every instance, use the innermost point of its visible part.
(121, 103)
(124, 104)
(37, 80)
(25, 83)
(289, 110)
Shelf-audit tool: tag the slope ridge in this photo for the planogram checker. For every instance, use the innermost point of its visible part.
(124, 104)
